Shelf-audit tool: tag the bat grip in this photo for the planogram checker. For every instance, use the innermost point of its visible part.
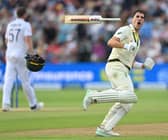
(110, 19)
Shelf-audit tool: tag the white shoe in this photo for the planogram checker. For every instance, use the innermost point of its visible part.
(38, 106)
(104, 133)
(6, 107)
(86, 100)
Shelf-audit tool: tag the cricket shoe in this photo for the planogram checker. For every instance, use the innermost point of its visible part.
(87, 99)
(37, 107)
(104, 133)
(6, 108)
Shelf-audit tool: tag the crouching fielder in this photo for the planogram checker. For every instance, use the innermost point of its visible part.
(125, 43)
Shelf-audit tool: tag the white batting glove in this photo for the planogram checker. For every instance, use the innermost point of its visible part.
(131, 46)
(149, 63)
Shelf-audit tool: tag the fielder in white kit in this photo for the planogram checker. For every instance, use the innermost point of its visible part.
(125, 43)
(19, 42)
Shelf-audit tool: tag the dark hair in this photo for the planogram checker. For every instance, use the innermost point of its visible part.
(21, 11)
(138, 11)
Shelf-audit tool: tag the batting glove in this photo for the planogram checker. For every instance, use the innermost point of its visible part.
(149, 63)
(131, 46)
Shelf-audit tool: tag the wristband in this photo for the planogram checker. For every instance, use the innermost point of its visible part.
(138, 65)
(126, 46)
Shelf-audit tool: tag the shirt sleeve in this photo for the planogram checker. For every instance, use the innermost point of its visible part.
(121, 33)
(28, 30)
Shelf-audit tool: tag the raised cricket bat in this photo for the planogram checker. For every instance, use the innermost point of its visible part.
(87, 19)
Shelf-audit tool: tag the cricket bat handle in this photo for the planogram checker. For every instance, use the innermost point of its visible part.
(110, 19)
(101, 19)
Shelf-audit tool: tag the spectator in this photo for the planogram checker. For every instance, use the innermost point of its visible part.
(46, 19)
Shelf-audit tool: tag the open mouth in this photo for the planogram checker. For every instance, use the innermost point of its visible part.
(139, 23)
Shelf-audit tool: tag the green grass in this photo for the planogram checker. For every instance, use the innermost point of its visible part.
(63, 109)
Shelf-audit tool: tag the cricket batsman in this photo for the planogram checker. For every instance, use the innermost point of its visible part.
(125, 43)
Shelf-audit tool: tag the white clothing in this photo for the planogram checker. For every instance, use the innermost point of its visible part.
(126, 34)
(15, 33)
(15, 62)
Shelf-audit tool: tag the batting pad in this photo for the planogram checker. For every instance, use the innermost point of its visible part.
(112, 95)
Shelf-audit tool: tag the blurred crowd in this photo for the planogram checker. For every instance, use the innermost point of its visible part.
(58, 42)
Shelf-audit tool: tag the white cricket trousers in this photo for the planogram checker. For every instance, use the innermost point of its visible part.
(17, 66)
(120, 80)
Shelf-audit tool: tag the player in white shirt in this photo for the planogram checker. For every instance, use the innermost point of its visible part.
(18, 39)
(125, 43)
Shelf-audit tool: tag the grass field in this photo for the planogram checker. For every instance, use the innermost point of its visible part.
(63, 118)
